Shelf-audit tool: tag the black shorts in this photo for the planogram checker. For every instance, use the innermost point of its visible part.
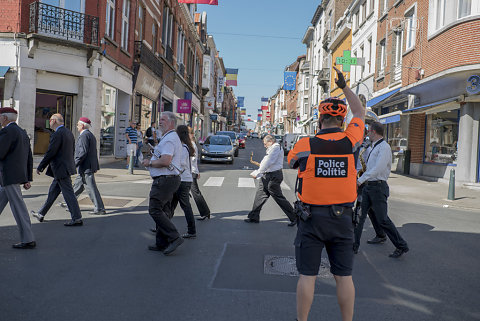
(324, 229)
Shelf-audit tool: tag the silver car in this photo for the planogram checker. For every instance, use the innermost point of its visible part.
(217, 148)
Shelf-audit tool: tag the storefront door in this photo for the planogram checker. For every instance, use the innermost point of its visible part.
(46, 105)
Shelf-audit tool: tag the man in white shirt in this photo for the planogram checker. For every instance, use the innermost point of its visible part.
(164, 168)
(270, 177)
(376, 190)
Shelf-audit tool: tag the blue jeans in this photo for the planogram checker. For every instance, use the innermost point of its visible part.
(139, 150)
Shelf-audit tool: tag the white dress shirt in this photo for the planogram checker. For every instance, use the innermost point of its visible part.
(273, 161)
(186, 174)
(194, 160)
(379, 163)
(169, 144)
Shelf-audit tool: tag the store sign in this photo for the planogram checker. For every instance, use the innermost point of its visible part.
(473, 87)
(315, 114)
(209, 102)
(184, 106)
(220, 84)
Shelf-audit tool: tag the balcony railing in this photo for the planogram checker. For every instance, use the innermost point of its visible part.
(169, 55)
(145, 56)
(181, 70)
(63, 24)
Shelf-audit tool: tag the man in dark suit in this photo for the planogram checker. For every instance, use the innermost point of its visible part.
(59, 159)
(16, 167)
(86, 162)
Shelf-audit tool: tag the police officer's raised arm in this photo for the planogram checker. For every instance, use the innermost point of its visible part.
(353, 101)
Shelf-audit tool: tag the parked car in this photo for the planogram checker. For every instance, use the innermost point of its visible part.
(279, 139)
(217, 148)
(254, 135)
(233, 137)
(288, 140)
(241, 140)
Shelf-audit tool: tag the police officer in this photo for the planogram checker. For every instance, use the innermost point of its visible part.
(327, 191)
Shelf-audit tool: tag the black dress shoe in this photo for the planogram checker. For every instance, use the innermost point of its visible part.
(101, 212)
(377, 240)
(173, 246)
(292, 223)
(37, 215)
(398, 252)
(74, 223)
(355, 248)
(201, 218)
(189, 236)
(249, 220)
(156, 248)
(29, 245)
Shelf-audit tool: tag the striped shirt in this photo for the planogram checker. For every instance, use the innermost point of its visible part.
(132, 134)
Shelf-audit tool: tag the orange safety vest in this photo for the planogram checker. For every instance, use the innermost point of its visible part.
(326, 165)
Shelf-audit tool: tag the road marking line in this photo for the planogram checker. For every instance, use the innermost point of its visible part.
(285, 186)
(143, 181)
(214, 181)
(246, 182)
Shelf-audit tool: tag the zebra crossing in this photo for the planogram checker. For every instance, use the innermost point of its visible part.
(215, 181)
(243, 182)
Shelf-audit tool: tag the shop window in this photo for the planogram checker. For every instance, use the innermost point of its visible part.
(397, 137)
(107, 120)
(442, 137)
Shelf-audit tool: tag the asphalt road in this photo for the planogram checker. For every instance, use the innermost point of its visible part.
(103, 270)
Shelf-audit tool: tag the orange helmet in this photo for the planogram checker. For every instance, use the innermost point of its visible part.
(333, 106)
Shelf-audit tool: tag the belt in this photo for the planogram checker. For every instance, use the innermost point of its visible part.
(165, 176)
(278, 170)
(375, 182)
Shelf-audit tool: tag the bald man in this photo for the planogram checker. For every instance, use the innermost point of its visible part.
(61, 165)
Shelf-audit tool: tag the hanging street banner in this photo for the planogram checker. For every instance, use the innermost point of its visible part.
(240, 102)
(210, 2)
(243, 111)
(220, 84)
(184, 106)
(264, 100)
(264, 108)
(232, 75)
(290, 80)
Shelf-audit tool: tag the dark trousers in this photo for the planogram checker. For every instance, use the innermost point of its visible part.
(270, 186)
(374, 198)
(362, 216)
(182, 196)
(63, 185)
(198, 197)
(159, 209)
(88, 180)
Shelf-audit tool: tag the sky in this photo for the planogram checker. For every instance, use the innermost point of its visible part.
(261, 60)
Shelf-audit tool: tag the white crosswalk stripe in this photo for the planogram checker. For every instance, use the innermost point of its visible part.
(214, 181)
(284, 186)
(246, 182)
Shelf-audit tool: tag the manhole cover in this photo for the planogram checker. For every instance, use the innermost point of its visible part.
(285, 265)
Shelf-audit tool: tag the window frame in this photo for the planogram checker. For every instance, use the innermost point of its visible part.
(410, 27)
(125, 24)
(110, 19)
(154, 36)
(381, 68)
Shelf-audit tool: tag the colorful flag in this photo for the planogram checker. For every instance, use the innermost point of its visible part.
(241, 101)
(259, 115)
(243, 111)
(231, 77)
(290, 80)
(264, 107)
(264, 100)
(211, 2)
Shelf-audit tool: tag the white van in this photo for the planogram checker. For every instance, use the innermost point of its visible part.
(288, 140)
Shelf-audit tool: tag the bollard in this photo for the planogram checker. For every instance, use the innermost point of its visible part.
(132, 160)
(451, 185)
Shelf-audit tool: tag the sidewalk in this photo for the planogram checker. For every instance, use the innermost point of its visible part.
(422, 191)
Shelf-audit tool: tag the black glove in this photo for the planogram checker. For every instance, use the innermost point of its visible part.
(340, 80)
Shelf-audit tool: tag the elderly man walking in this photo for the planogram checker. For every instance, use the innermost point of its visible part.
(164, 169)
(271, 176)
(59, 159)
(16, 168)
(86, 162)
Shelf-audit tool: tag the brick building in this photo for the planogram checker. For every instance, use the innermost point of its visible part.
(57, 59)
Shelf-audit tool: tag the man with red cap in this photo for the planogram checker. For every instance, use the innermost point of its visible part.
(86, 162)
(16, 168)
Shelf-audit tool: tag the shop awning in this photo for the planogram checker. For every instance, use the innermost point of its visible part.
(440, 102)
(380, 98)
(3, 71)
(390, 119)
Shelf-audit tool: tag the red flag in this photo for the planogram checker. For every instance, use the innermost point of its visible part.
(211, 2)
